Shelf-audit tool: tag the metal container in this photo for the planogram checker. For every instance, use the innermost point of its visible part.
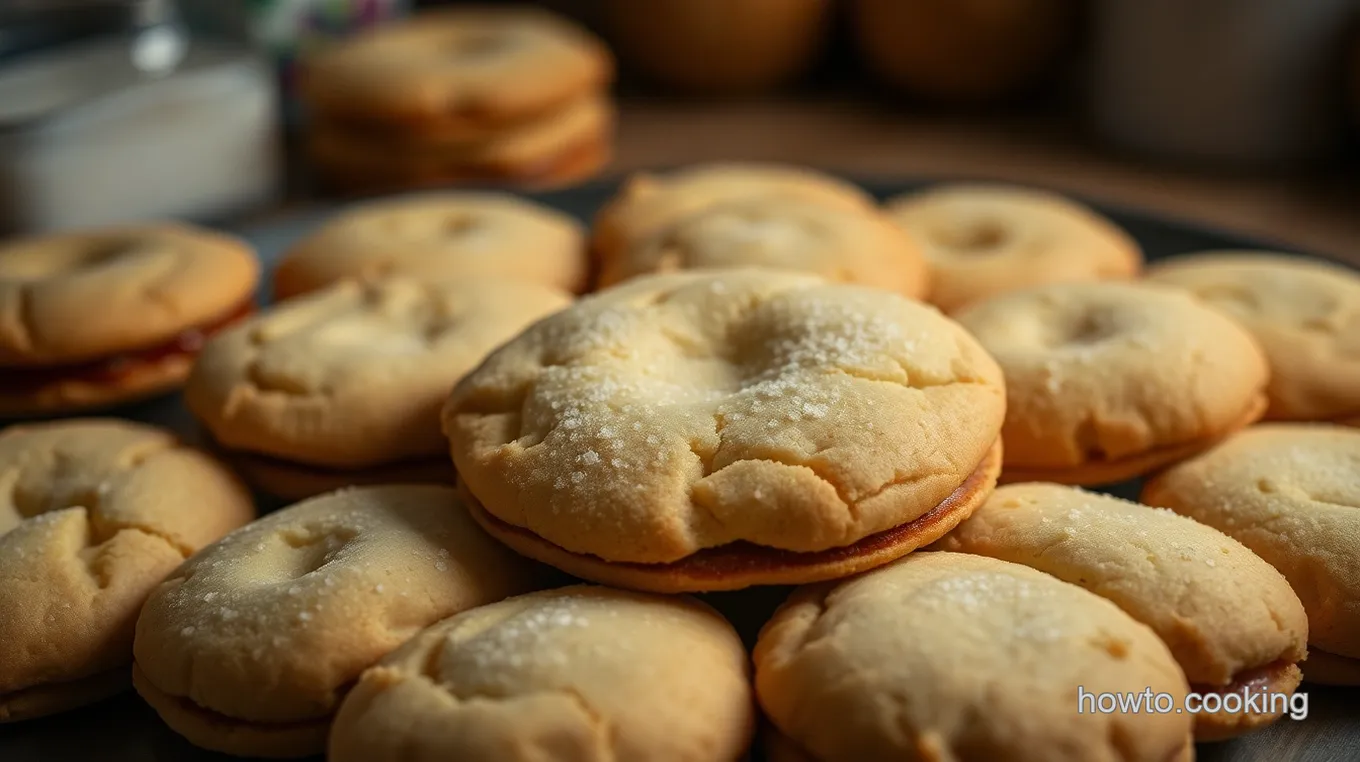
(1241, 82)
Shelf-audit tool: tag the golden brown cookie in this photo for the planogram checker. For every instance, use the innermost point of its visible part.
(1228, 617)
(841, 245)
(649, 203)
(726, 47)
(561, 145)
(578, 673)
(985, 240)
(1291, 493)
(94, 513)
(946, 656)
(439, 236)
(1304, 313)
(302, 601)
(1108, 381)
(457, 72)
(795, 429)
(352, 377)
(102, 317)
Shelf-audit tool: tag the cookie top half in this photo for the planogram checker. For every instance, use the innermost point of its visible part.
(354, 374)
(442, 236)
(94, 513)
(581, 672)
(1304, 313)
(678, 412)
(475, 65)
(952, 656)
(983, 240)
(70, 297)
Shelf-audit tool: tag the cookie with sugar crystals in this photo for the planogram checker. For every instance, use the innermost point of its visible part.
(952, 656)
(1108, 381)
(303, 601)
(581, 672)
(1230, 619)
(706, 431)
(94, 513)
(985, 240)
(1291, 493)
(1304, 313)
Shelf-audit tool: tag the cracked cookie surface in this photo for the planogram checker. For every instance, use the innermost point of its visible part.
(1106, 381)
(1291, 493)
(93, 515)
(1305, 314)
(304, 600)
(950, 656)
(441, 236)
(581, 673)
(680, 412)
(985, 240)
(353, 376)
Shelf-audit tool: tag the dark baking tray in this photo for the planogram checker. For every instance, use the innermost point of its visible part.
(124, 729)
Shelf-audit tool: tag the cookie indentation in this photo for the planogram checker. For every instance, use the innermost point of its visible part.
(975, 237)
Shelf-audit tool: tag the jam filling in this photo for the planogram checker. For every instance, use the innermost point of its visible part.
(1257, 680)
(112, 369)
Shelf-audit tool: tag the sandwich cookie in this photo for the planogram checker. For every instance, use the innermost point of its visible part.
(344, 385)
(947, 656)
(94, 514)
(648, 203)
(711, 431)
(1108, 381)
(1232, 621)
(580, 673)
(841, 245)
(459, 74)
(250, 647)
(1291, 493)
(1304, 313)
(439, 236)
(100, 318)
(984, 240)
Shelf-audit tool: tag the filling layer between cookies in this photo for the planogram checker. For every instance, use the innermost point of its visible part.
(114, 368)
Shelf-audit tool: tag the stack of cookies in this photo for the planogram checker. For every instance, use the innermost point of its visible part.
(486, 95)
(507, 495)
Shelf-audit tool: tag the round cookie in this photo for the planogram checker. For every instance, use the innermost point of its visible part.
(1304, 313)
(439, 236)
(352, 377)
(302, 601)
(102, 317)
(984, 240)
(1108, 381)
(1229, 618)
(572, 674)
(944, 656)
(1290, 493)
(650, 203)
(94, 514)
(706, 431)
(841, 245)
(459, 73)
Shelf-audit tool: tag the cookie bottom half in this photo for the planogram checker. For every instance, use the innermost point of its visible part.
(1325, 668)
(207, 729)
(1097, 473)
(53, 698)
(742, 564)
(298, 481)
(1276, 678)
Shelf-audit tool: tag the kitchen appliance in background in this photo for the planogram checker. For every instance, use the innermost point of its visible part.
(140, 122)
(1243, 83)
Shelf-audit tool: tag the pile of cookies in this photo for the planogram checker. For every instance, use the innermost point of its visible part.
(507, 493)
(481, 95)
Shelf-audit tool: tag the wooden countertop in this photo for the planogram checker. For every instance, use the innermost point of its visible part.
(1320, 215)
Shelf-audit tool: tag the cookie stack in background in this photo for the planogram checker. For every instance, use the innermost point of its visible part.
(514, 96)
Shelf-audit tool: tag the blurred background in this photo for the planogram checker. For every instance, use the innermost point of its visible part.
(1236, 113)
